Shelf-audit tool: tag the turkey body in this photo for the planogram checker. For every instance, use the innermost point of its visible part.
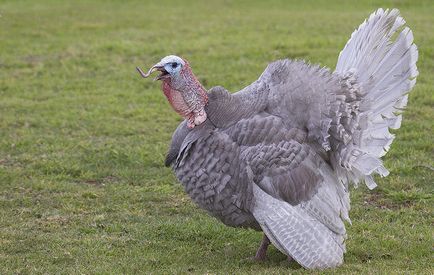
(247, 142)
(279, 155)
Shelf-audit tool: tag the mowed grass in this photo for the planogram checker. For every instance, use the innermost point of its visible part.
(83, 188)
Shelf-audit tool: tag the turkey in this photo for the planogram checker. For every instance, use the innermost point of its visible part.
(280, 155)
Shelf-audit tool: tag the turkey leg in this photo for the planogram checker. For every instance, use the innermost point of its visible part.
(261, 254)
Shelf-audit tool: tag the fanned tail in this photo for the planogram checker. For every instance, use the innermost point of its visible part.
(378, 66)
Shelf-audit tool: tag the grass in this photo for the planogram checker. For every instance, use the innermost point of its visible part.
(83, 188)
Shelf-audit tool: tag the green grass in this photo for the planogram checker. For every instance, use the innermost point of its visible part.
(83, 188)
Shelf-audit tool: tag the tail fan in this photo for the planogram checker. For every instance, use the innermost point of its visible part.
(378, 65)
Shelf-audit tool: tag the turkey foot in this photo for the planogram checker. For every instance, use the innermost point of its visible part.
(261, 254)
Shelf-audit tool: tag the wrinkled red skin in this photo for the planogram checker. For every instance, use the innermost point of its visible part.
(186, 96)
(176, 99)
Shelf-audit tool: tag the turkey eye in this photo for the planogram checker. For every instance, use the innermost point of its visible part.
(174, 65)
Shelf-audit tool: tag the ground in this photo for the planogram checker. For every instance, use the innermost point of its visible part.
(83, 138)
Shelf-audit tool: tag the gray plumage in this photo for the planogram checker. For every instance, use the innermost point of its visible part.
(279, 155)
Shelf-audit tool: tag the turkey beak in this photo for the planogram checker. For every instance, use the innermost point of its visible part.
(156, 67)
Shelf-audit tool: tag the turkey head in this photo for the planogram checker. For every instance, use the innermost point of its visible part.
(183, 91)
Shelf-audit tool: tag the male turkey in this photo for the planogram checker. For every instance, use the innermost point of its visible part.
(278, 155)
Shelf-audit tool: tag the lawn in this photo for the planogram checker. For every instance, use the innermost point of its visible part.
(83, 138)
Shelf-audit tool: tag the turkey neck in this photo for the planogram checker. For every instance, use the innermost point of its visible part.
(185, 93)
(189, 98)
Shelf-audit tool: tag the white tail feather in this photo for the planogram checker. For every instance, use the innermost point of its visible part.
(385, 69)
(296, 233)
